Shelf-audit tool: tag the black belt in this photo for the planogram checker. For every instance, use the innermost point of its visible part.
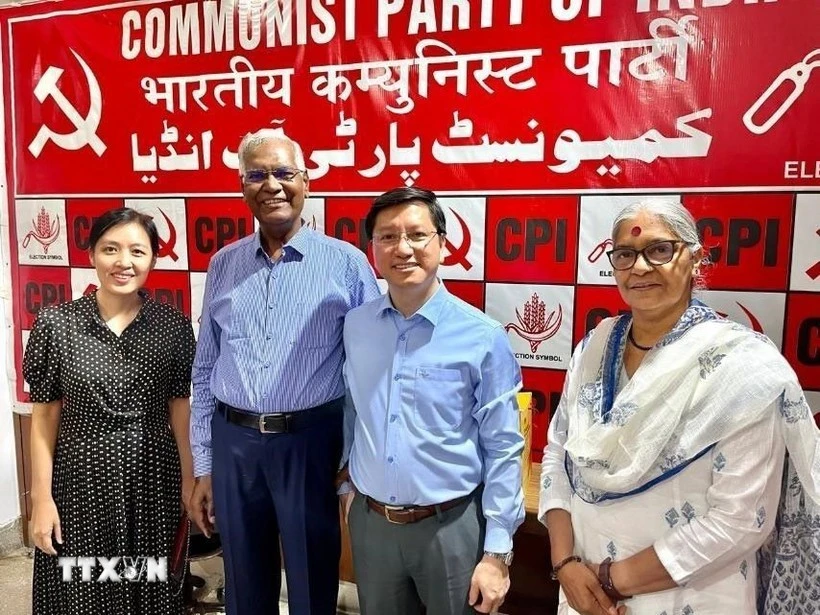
(280, 422)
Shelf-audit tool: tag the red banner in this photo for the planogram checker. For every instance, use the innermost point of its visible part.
(534, 120)
(154, 97)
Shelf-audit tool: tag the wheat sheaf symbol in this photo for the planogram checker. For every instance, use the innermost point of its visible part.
(535, 326)
(45, 230)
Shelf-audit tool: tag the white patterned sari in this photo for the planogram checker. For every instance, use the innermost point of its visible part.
(688, 456)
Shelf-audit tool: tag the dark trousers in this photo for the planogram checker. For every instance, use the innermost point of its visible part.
(419, 567)
(268, 486)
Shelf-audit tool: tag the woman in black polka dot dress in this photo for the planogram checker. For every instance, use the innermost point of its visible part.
(109, 376)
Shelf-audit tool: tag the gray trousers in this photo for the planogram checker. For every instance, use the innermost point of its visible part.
(405, 569)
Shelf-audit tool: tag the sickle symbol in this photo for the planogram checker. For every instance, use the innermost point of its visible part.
(86, 133)
(756, 326)
(458, 256)
(166, 248)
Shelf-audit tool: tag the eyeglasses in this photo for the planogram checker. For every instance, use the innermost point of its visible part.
(417, 240)
(280, 174)
(657, 253)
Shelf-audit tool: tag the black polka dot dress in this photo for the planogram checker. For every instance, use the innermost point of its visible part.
(116, 478)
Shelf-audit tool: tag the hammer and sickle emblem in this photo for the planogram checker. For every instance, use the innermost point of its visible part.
(86, 127)
(458, 255)
(166, 247)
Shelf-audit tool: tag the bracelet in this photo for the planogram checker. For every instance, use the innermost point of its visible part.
(562, 563)
(605, 579)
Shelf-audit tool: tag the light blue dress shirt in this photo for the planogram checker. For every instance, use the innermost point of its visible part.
(270, 338)
(433, 411)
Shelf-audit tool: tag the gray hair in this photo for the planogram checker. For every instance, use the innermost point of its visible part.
(675, 217)
(252, 140)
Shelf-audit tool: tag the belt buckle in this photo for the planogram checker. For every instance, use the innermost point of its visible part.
(387, 510)
(263, 426)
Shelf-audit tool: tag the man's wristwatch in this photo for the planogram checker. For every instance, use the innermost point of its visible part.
(506, 558)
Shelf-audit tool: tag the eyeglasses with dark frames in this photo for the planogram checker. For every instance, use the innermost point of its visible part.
(280, 174)
(655, 254)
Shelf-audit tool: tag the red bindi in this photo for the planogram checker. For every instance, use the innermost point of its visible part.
(636, 230)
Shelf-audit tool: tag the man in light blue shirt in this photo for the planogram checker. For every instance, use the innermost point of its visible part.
(267, 416)
(436, 449)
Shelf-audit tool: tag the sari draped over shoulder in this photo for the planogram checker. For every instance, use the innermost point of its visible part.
(706, 380)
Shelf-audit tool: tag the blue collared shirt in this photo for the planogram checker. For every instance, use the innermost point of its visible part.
(433, 411)
(270, 338)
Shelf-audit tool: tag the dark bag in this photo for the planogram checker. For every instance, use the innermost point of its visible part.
(179, 550)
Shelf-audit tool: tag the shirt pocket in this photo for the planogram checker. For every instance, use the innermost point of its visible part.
(440, 397)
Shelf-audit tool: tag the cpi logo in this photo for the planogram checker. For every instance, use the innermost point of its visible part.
(535, 326)
(753, 321)
(45, 231)
(85, 132)
(457, 255)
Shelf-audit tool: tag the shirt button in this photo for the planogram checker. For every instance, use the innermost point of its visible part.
(402, 337)
(267, 337)
(392, 498)
(267, 364)
(270, 306)
(390, 460)
(397, 377)
(393, 418)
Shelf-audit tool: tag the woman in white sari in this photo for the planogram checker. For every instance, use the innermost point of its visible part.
(682, 474)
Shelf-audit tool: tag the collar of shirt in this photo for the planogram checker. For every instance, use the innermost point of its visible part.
(91, 310)
(430, 311)
(298, 244)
